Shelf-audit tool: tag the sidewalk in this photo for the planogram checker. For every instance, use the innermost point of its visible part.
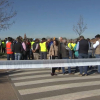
(6, 90)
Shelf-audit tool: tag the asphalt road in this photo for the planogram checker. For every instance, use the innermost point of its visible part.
(38, 84)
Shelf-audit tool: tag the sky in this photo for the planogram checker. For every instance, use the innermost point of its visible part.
(54, 18)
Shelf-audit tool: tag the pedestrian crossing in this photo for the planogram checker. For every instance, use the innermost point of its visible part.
(38, 84)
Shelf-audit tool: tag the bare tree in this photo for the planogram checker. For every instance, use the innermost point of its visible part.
(80, 27)
(6, 14)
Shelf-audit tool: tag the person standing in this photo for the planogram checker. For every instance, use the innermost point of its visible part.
(3, 46)
(90, 48)
(59, 51)
(96, 45)
(82, 47)
(28, 47)
(65, 55)
(73, 45)
(9, 49)
(43, 49)
(35, 49)
(0, 44)
(71, 48)
(53, 53)
(31, 53)
(50, 42)
(18, 49)
(76, 54)
(24, 54)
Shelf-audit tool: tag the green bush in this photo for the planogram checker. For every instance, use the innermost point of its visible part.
(1, 54)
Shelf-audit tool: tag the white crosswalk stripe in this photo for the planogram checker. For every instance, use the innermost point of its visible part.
(74, 96)
(31, 85)
(56, 87)
(30, 72)
(53, 80)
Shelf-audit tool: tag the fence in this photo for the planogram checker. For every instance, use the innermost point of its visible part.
(17, 64)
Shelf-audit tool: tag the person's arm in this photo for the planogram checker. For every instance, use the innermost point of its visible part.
(96, 44)
(37, 46)
(77, 47)
(12, 47)
(22, 48)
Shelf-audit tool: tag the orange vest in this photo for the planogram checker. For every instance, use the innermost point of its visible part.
(8, 48)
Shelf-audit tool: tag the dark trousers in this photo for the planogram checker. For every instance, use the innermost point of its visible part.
(81, 56)
(10, 56)
(24, 57)
(54, 68)
(43, 55)
(3, 50)
(31, 53)
(28, 54)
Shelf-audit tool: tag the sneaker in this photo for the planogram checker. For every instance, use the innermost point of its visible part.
(71, 73)
(86, 75)
(80, 74)
(52, 74)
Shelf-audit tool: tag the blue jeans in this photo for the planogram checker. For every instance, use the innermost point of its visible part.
(18, 56)
(81, 55)
(90, 55)
(70, 54)
(31, 53)
(10, 56)
(98, 56)
(63, 68)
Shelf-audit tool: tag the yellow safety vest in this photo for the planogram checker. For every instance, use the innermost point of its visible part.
(73, 45)
(70, 46)
(3, 44)
(43, 47)
(32, 44)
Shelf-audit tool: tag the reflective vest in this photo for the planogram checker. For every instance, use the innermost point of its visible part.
(73, 45)
(70, 46)
(3, 44)
(9, 48)
(43, 47)
(32, 44)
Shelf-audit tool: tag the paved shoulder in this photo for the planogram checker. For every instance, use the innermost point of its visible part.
(6, 90)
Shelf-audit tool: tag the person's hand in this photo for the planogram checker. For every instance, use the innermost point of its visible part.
(33, 51)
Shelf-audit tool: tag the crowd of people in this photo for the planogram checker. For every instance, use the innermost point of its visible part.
(54, 48)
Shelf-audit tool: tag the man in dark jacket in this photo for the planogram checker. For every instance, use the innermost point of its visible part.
(63, 53)
(18, 49)
(83, 47)
(35, 49)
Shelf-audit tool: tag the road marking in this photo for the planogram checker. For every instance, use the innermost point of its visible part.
(54, 80)
(74, 96)
(31, 72)
(57, 87)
